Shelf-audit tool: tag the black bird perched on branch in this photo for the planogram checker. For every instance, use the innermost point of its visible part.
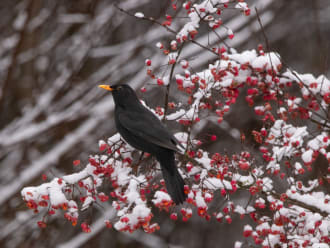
(144, 131)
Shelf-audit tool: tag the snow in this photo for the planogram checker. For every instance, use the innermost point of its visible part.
(38, 20)
(215, 183)
(219, 215)
(267, 61)
(315, 199)
(307, 156)
(48, 158)
(322, 83)
(297, 166)
(204, 160)
(141, 211)
(101, 143)
(42, 63)
(56, 195)
(73, 18)
(176, 115)
(242, 6)
(318, 142)
(244, 57)
(9, 42)
(122, 173)
(33, 129)
(172, 55)
(89, 200)
(244, 180)
(55, 189)
(182, 138)
(160, 196)
(226, 82)
(314, 144)
(250, 209)
(240, 210)
(320, 245)
(20, 20)
(131, 193)
(200, 202)
(166, 80)
(247, 228)
(263, 226)
(139, 15)
(238, 244)
(114, 139)
(282, 133)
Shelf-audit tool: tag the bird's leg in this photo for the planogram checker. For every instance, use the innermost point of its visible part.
(136, 166)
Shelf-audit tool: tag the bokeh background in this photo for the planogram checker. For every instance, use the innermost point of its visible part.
(52, 56)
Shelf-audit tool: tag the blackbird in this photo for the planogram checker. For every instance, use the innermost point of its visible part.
(144, 131)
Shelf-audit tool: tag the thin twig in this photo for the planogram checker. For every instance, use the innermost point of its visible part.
(302, 82)
(301, 204)
(169, 82)
(17, 49)
(151, 19)
(293, 72)
(262, 30)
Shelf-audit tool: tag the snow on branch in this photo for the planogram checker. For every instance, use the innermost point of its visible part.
(270, 167)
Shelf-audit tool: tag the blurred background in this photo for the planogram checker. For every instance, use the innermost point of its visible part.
(53, 54)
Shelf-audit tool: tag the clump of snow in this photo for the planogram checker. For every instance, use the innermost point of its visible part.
(176, 115)
(242, 6)
(282, 133)
(307, 156)
(244, 57)
(139, 15)
(200, 202)
(269, 61)
(161, 196)
(315, 199)
(320, 245)
(239, 209)
(238, 244)
(215, 183)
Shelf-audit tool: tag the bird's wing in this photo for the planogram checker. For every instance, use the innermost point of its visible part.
(147, 126)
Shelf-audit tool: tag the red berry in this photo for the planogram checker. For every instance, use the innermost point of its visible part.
(148, 62)
(85, 227)
(174, 216)
(160, 82)
(108, 224)
(76, 162)
(247, 233)
(103, 146)
(179, 81)
(42, 224)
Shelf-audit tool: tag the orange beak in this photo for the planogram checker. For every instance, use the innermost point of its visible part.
(106, 87)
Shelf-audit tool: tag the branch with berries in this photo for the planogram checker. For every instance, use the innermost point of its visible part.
(290, 108)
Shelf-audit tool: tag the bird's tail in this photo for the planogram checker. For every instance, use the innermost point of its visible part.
(173, 180)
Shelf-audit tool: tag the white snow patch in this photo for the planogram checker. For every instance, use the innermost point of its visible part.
(139, 15)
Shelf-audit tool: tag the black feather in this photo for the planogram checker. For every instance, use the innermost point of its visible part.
(144, 131)
(173, 180)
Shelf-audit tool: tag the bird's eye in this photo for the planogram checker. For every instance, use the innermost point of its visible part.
(119, 88)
